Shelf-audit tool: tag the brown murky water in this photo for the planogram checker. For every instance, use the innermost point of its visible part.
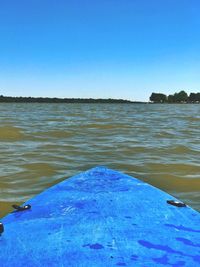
(42, 144)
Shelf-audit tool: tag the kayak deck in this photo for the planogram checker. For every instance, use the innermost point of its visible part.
(101, 218)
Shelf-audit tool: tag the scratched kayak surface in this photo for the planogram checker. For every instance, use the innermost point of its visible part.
(101, 218)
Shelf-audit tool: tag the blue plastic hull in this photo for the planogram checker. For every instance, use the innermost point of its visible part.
(101, 218)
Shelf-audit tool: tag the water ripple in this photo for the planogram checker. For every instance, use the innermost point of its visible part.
(42, 144)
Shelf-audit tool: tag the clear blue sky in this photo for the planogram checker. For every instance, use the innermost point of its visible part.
(99, 48)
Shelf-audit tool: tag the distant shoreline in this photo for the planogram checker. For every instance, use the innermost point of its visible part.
(54, 100)
(11, 99)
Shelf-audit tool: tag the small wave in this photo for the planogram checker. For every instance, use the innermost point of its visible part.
(56, 134)
(193, 119)
(181, 149)
(166, 134)
(176, 168)
(60, 134)
(11, 133)
(174, 184)
(42, 169)
(105, 126)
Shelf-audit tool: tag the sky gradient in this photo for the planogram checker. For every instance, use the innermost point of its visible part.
(100, 49)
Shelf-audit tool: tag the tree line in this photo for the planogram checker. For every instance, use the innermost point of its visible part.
(181, 97)
(20, 99)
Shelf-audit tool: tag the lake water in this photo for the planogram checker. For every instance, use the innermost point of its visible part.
(42, 144)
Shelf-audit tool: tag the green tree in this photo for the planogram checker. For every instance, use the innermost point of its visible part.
(198, 97)
(181, 97)
(192, 97)
(158, 98)
(170, 98)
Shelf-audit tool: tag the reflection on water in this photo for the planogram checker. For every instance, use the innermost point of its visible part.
(42, 144)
